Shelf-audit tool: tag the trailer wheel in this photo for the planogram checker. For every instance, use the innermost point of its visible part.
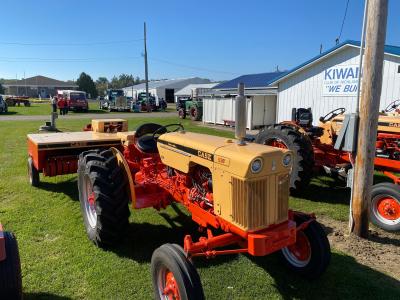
(173, 274)
(385, 206)
(195, 113)
(103, 196)
(10, 270)
(33, 173)
(182, 113)
(311, 254)
(286, 137)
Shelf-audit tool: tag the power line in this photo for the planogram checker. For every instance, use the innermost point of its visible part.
(75, 59)
(71, 44)
(191, 67)
(344, 19)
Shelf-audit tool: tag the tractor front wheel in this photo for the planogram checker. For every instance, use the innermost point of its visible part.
(182, 113)
(33, 173)
(10, 270)
(103, 196)
(173, 274)
(385, 206)
(311, 254)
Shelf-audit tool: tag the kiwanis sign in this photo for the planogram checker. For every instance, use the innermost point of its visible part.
(340, 80)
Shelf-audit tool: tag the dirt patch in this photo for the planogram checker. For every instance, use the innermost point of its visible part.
(380, 252)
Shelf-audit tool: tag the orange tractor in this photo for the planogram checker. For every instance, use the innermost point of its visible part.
(236, 192)
(315, 148)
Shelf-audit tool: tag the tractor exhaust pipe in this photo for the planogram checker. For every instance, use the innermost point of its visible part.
(240, 115)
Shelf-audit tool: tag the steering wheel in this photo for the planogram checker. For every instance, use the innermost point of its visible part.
(329, 116)
(392, 106)
(164, 129)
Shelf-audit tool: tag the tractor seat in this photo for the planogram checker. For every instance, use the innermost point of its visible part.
(144, 139)
(147, 144)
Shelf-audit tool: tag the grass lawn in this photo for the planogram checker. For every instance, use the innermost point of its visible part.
(45, 109)
(59, 261)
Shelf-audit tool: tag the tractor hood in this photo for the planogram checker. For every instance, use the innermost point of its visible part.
(180, 150)
(386, 123)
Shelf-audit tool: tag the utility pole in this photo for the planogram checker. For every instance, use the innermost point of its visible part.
(146, 71)
(369, 112)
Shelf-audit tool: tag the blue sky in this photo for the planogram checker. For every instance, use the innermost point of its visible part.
(213, 39)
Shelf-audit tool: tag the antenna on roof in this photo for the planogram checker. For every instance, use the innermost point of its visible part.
(320, 49)
(277, 68)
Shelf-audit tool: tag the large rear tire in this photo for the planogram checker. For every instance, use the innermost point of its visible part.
(10, 270)
(103, 196)
(173, 275)
(385, 206)
(287, 137)
(311, 254)
(195, 113)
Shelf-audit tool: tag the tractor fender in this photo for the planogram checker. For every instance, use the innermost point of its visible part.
(124, 165)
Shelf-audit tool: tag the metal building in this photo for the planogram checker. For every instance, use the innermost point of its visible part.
(164, 89)
(219, 105)
(330, 80)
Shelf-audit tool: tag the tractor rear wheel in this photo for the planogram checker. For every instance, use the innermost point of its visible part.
(195, 113)
(286, 137)
(385, 206)
(311, 254)
(10, 270)
(173, 274)
(182, 113)
(103, 196)
(33, 173)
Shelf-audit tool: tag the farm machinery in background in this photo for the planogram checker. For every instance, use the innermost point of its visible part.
(190, 106)
(17, 100)
(236, 192)
(156, 104)
(10, 267)
(115, 100)
(314, 148)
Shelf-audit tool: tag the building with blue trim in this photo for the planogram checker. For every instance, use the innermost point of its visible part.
(324, 83)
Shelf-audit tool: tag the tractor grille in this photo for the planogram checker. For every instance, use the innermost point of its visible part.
(258, 203)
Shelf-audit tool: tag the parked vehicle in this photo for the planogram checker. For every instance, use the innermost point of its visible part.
(3, 105)
(237, 193)
(10, 267)
(154, 106)
(190, 106)
(76, 100)
(17, 100)
(314, 148)
(115, 100)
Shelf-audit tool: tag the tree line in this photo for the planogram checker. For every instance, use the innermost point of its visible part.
(98, 87)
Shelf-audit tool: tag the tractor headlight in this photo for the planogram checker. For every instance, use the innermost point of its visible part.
(287, 160)
(256, 165)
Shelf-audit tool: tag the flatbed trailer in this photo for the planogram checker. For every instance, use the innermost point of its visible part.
(54, 154)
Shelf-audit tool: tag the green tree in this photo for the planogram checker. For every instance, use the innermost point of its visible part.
(86, 84)
(1, 89)
(102, 85)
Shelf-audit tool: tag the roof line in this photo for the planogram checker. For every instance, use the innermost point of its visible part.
(347, 43)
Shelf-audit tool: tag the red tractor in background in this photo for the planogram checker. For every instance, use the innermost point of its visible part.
(10, 267)
(314, 148)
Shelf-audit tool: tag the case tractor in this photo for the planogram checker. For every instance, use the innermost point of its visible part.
(314, 148)
(10, 267)
(236, 192)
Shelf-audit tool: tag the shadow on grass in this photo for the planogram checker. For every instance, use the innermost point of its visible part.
(8, 113)
(43, 296)
(68, 187)
(327, 190)
(142, 239)
(345, 278)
